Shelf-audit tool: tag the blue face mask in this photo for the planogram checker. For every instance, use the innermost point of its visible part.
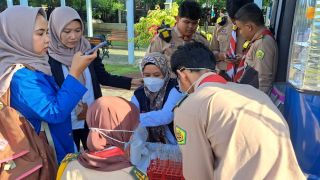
(153, 84)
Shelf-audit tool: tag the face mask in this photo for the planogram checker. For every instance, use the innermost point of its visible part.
(187, 92)
(101, 131)
(153, 84)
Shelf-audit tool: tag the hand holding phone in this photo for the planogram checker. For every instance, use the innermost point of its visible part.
(231, 58)
(104, 43)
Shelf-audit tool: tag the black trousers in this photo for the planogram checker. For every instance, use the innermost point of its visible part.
(80, 135)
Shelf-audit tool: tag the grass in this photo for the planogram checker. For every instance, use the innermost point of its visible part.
(121, 69)
(125, 45)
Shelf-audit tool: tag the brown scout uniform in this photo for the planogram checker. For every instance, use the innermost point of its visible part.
(220, 42)
(168, 48)
(263, 57)
(221, 139)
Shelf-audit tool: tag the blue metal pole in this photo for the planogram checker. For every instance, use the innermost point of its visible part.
(24, 2)
(130, 25)
(89, 18)
(9, 3)
(62, 3)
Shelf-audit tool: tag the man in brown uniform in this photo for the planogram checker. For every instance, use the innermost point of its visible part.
(220, 43)
(184, 31)
(263, 52)
(227, 130)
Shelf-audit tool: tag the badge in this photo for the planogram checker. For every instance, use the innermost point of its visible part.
(222, 20)
(219, 20)
(137, 174)
(181, 135)
(259, 54)
(165, 34)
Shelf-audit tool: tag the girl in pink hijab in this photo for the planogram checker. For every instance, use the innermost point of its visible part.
(112, 121)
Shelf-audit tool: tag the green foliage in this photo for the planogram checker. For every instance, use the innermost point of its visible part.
(111, 5)
(119, 69)
(266, 2)
(147, 26)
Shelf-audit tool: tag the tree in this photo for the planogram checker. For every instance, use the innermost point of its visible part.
(147, 26)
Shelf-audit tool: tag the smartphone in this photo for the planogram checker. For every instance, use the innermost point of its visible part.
(104, 43)
(232, 58)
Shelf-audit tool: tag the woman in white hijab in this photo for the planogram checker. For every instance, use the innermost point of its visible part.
(25, 75)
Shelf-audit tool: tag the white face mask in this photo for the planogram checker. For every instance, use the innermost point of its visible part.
(100, 131)
(153, 84)
(187, 92)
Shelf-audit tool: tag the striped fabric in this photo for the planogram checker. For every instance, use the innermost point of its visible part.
(231, 71)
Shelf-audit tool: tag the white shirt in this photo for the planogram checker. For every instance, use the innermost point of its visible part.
(87, 98)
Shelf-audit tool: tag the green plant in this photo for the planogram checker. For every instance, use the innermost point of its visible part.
(121, 69)
(147, 26)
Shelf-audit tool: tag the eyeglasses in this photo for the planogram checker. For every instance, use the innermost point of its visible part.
(192, 69)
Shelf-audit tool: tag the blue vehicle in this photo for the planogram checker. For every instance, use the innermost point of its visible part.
(296, 24)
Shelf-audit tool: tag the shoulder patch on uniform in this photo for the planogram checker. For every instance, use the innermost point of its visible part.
(260, 54)
(222, 20)
(181, 135)
(165, 35)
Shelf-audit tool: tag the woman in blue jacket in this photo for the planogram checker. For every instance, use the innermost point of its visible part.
(156, 98)
(24, 42)
(66, 33)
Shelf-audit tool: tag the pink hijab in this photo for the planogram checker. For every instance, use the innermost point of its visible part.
(16, 43)
(59, 18)
(110, 113)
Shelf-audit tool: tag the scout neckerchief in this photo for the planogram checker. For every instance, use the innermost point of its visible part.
(211, 78)
(246, 46)
(232, 52)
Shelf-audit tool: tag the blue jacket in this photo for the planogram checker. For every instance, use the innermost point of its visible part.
(38, 98)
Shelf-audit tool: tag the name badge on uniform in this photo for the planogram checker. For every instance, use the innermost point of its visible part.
(181, 135)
